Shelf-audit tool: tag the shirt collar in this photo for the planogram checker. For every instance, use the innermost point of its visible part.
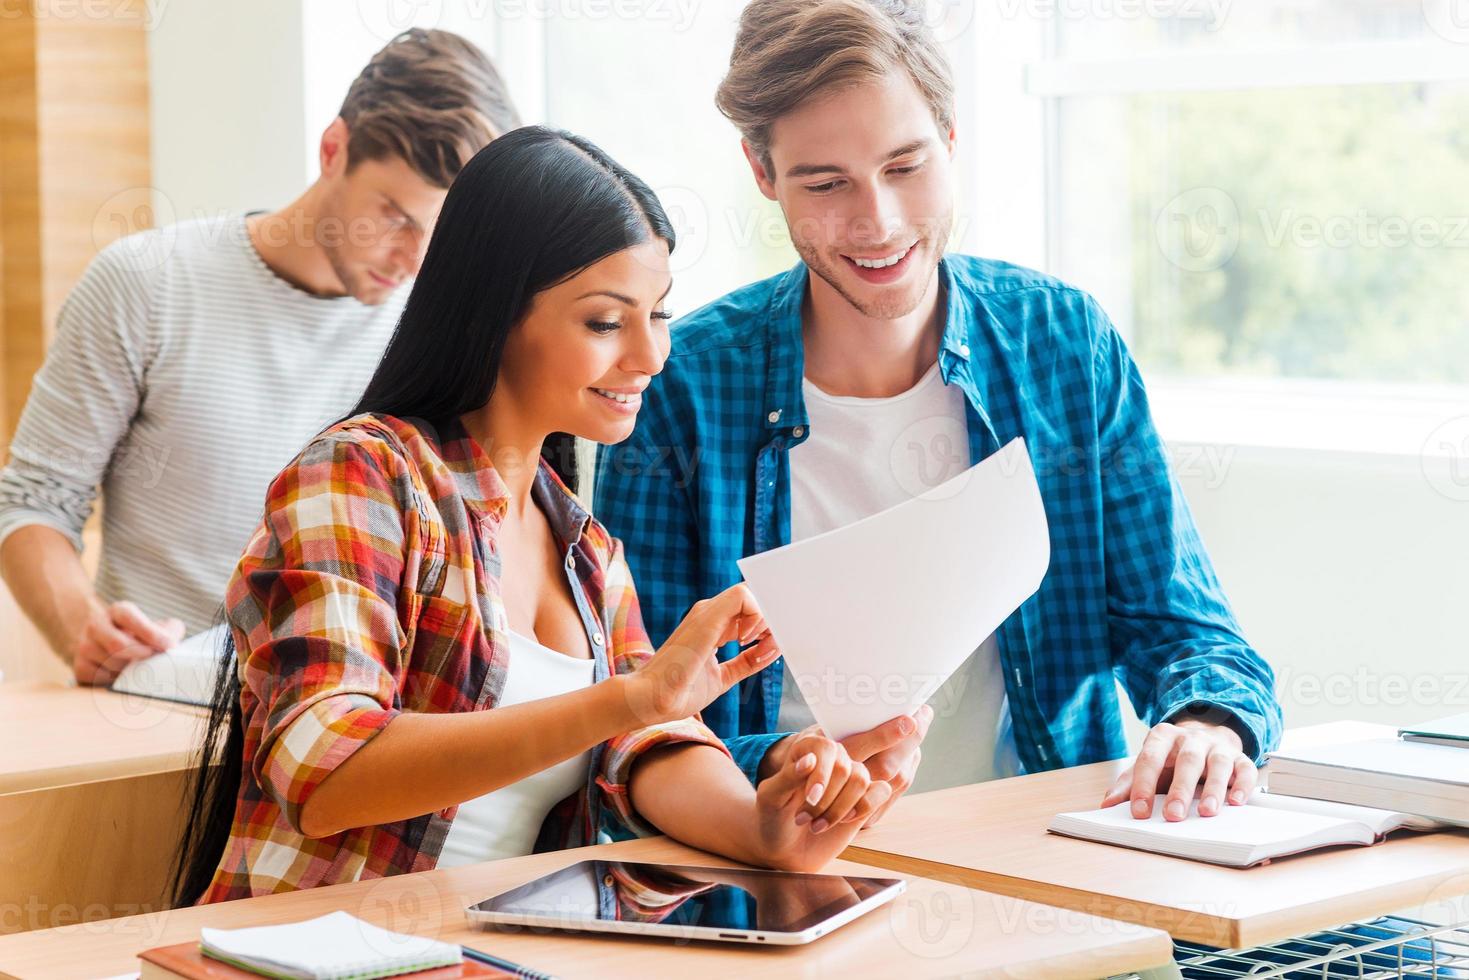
(785, 407)
(958, 315)
(486, 495)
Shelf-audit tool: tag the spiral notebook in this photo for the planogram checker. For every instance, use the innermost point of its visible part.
(337, 946)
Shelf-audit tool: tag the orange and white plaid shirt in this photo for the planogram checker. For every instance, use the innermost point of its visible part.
(371, 588)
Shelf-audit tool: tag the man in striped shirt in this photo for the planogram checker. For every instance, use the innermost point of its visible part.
(192, 362)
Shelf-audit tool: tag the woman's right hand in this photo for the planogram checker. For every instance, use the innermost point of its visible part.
(685, 676)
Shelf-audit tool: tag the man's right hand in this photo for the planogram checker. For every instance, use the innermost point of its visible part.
(891, 753)
(116, 635)
(808, 812)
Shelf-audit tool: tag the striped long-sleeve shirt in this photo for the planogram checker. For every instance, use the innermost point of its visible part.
(184, 374)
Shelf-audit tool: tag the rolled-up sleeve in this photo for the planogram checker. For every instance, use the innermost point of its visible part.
(630, 648)
(314, 606)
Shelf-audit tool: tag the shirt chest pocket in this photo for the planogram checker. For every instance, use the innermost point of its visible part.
(441, 650)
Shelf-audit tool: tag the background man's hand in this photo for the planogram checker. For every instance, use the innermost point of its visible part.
(116, 635)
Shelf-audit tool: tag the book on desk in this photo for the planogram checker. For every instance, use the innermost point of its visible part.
(1267, 827)
(1347, 792)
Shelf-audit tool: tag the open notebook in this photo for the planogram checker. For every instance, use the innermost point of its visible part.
(1267, 827)
(184, 673)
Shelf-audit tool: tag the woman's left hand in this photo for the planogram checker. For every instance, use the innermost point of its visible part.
(809, 810)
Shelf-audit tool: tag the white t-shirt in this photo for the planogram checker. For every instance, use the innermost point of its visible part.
(506, 822)
(862, 456)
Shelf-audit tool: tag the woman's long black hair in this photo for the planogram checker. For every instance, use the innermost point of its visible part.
(530, 210)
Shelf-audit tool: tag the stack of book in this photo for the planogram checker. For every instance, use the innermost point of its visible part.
(1425, 771)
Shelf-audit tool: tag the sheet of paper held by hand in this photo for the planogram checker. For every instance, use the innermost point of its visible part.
(873, 617)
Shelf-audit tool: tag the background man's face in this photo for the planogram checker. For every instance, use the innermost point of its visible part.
(863, 177)
(375, 225)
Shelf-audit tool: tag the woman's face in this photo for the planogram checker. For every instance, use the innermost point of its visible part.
(586, 349)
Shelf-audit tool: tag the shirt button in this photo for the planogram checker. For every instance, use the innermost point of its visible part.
(571, 561)
(597, 639)
(798, 431)
(607, 880)
(963, 350)
(773, 417)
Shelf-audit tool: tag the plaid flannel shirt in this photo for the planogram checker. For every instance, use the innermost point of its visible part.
(371, 588)
(705, 480)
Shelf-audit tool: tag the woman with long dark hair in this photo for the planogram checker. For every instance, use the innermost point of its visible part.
(440, 657)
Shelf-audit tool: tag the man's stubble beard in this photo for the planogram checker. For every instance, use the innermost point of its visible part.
(354, 285)
(889, 309)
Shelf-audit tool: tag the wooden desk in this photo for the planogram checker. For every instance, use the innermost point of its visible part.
(933, 929)
(90, 787)
(993, 836)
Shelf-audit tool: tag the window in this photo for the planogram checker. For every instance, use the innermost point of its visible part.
(640, 82)
(1266, 191)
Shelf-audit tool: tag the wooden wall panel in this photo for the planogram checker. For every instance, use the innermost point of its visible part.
(74, 175)
(74, 131)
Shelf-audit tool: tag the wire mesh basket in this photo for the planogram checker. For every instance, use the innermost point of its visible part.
(1385, 947)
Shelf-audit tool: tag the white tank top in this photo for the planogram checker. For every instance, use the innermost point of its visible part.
(505, 823)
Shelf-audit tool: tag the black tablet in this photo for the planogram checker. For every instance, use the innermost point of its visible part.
(682, 902)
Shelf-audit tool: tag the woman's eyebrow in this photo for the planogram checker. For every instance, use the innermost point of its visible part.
(607, 292)
(626, 300)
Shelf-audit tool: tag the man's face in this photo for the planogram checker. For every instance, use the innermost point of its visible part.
(862, 175)
(374, 226)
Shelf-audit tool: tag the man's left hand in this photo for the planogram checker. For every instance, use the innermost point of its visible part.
(1176, 757)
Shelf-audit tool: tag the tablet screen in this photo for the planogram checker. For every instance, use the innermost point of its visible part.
(682, 896)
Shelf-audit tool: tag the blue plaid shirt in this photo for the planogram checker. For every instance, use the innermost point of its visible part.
(704, 480)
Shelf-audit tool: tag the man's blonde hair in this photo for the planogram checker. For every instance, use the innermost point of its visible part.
(787, 51)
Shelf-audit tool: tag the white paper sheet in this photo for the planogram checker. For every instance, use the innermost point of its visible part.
(872, 618)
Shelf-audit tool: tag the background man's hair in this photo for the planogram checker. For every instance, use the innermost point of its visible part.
(430, 98)
(787, 51)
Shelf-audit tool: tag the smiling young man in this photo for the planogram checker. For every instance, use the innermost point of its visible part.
(192, 362)
(879, 367)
